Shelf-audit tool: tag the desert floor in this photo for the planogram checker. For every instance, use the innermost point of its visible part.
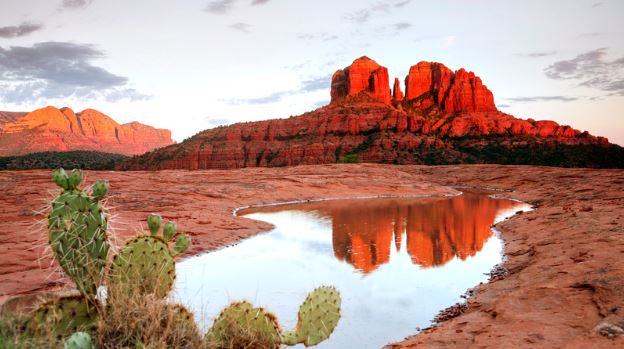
(565, 271)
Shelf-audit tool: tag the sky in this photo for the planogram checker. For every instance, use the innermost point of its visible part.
(196, 64)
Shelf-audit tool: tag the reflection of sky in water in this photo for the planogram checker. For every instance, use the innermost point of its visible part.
(276, 270)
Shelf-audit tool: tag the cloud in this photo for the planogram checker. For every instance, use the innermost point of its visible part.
(23, 29)
(49, 70)
(540, 99)
(592, 70)
(539, 54)
(323, 36)
(259, 2)
(596, 4)
(363, 15)
(217, 121)
(402, 26)
(243, 27)
(219, 7)
(76, 4)
(359, 17)
(503, 105)
(310, 85)
(402, 3)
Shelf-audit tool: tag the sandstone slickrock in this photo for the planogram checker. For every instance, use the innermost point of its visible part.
(52, 129)
(565, 277)
(444, 117)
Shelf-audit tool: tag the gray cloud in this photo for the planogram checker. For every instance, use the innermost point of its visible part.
(360, 16)
(58, 70)
(503, 105)
(541, 54)
(591, 69)
(259, 2)
(596, 4)
(219, 7)
(23, 29)
(322, 36)
(402, 26)
(243, 27)
(402, 3)
(386, 6)
(310, 85)
(541, 99)
(76, 4)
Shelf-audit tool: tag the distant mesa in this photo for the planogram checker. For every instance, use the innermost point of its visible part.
(52, 129)
(438, 116)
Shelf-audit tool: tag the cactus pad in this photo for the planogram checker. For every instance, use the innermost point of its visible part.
(79, 340)
(64, 315)
(241, 321)
(318, 316)
(144, 265)
(77, 231)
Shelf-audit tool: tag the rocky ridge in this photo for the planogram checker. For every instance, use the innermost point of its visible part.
(52, 129)
(443, 117)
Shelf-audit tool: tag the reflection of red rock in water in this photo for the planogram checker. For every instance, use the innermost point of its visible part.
(438, 231)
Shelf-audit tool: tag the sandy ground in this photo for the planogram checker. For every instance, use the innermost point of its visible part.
(566, 270)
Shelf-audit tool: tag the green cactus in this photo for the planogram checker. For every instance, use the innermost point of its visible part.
(260, 327)
(318, 316)
(77, 231)
(145, 264)
(79, 340)
(64, 315)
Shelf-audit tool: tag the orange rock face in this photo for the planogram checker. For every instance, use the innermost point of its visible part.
(364, 75)
(453, 92)
(52, 129)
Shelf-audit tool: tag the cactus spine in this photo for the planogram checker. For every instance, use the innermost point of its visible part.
(145, 264)
(77, 227)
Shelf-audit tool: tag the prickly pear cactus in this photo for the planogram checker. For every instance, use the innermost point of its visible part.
(242, 325)
(317, 318)
(77, 227)
(145, 264)
(79, 340)
(64, 315)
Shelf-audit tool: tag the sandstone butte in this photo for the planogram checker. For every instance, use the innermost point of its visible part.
(52, 129)
(443, 117)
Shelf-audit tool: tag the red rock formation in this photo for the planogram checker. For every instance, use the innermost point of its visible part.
(364, 75)
(453, 92)
(444, 118)
(52, 129)
(397, 94)
(468, 94)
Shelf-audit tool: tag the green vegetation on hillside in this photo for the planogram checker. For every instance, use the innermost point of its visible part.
(86, 160)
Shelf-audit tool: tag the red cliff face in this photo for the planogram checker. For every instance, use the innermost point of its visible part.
(452, 92)
(364, 75)
(52, 129)
(444, 117)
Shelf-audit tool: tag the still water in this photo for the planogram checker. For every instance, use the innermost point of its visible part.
(396, 262)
